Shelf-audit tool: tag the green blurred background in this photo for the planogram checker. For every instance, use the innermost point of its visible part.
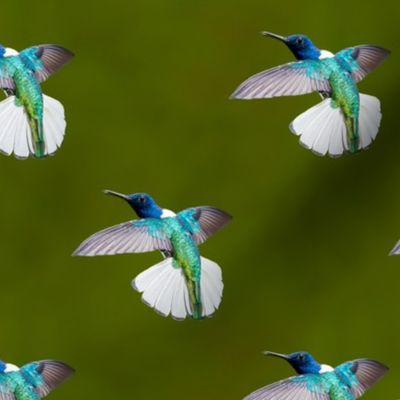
(305, 259)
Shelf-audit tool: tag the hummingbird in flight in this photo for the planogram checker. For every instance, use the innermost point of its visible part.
(31, 123)
(32, 381)
(345, 120)
(184, 284)
(316, 381)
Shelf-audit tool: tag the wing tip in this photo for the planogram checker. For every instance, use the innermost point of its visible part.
(66, 52)
(396, 250)
(80, 250)
(55, 372)
(237, 95)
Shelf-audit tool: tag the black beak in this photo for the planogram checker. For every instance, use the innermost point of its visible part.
(116, 194)
(272, 354)
(274, 36)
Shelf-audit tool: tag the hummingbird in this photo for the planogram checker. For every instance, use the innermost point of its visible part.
(316, 381)
(31, 123)
(184, 284)
(32, 381)
(345, 120)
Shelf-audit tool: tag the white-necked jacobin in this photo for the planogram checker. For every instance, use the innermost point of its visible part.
(183, 284)
(316, 381)
(345, 120)
(32, 381)
(31, 123)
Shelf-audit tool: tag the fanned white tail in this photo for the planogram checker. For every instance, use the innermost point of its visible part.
(322, 128)
(15, 132)
(164, 288)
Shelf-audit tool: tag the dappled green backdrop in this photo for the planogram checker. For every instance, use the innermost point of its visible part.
(304, 260)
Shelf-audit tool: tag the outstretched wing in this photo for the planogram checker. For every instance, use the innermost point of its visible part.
(46, 375)
(136, 236)
(296, 388)
(7, 388)
(361, 60)
(45, 59)
(291, 79)
(203, 222)
(7, 69)
(361, 374)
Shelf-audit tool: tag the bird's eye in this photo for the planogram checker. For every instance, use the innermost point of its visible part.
(142, 199)
(301, 357)
(299, 40)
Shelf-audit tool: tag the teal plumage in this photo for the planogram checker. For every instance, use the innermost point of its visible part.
(186, 254)
(327, 384)
(14, 383)
(32, 381)
(28, 94)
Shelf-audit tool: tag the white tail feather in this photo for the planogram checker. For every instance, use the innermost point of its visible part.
(15, 132)
(369, 120)
(163, 287)
(322, 128)
(54, 124)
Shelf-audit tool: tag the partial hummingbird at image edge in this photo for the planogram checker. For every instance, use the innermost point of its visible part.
(31, 123)
(32, 381)
(184, 284)
(345, 120)
(316, 381)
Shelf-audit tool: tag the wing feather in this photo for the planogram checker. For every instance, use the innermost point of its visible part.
(6, 388)
(136, 236)
(290, 79)
(361, 374)
(203, 221)
(7, 70)
(45, 59)
(361, 60)
(46, 375)
(295, 388)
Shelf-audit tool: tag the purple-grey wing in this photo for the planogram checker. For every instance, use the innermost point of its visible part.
(136, 236)
(204, 221)
(45, 59)
(291, 79)
(396, 249)
(296, 388)
(7, 70)
(361, 60)
(46, 375)
(361, 374)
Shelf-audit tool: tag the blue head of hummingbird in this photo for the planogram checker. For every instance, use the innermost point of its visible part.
(345, 121)
(348, 381)
(300, 45)
(183, 284)
(301, 361)
(31, 123)
(142, 203)
(32, 381)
